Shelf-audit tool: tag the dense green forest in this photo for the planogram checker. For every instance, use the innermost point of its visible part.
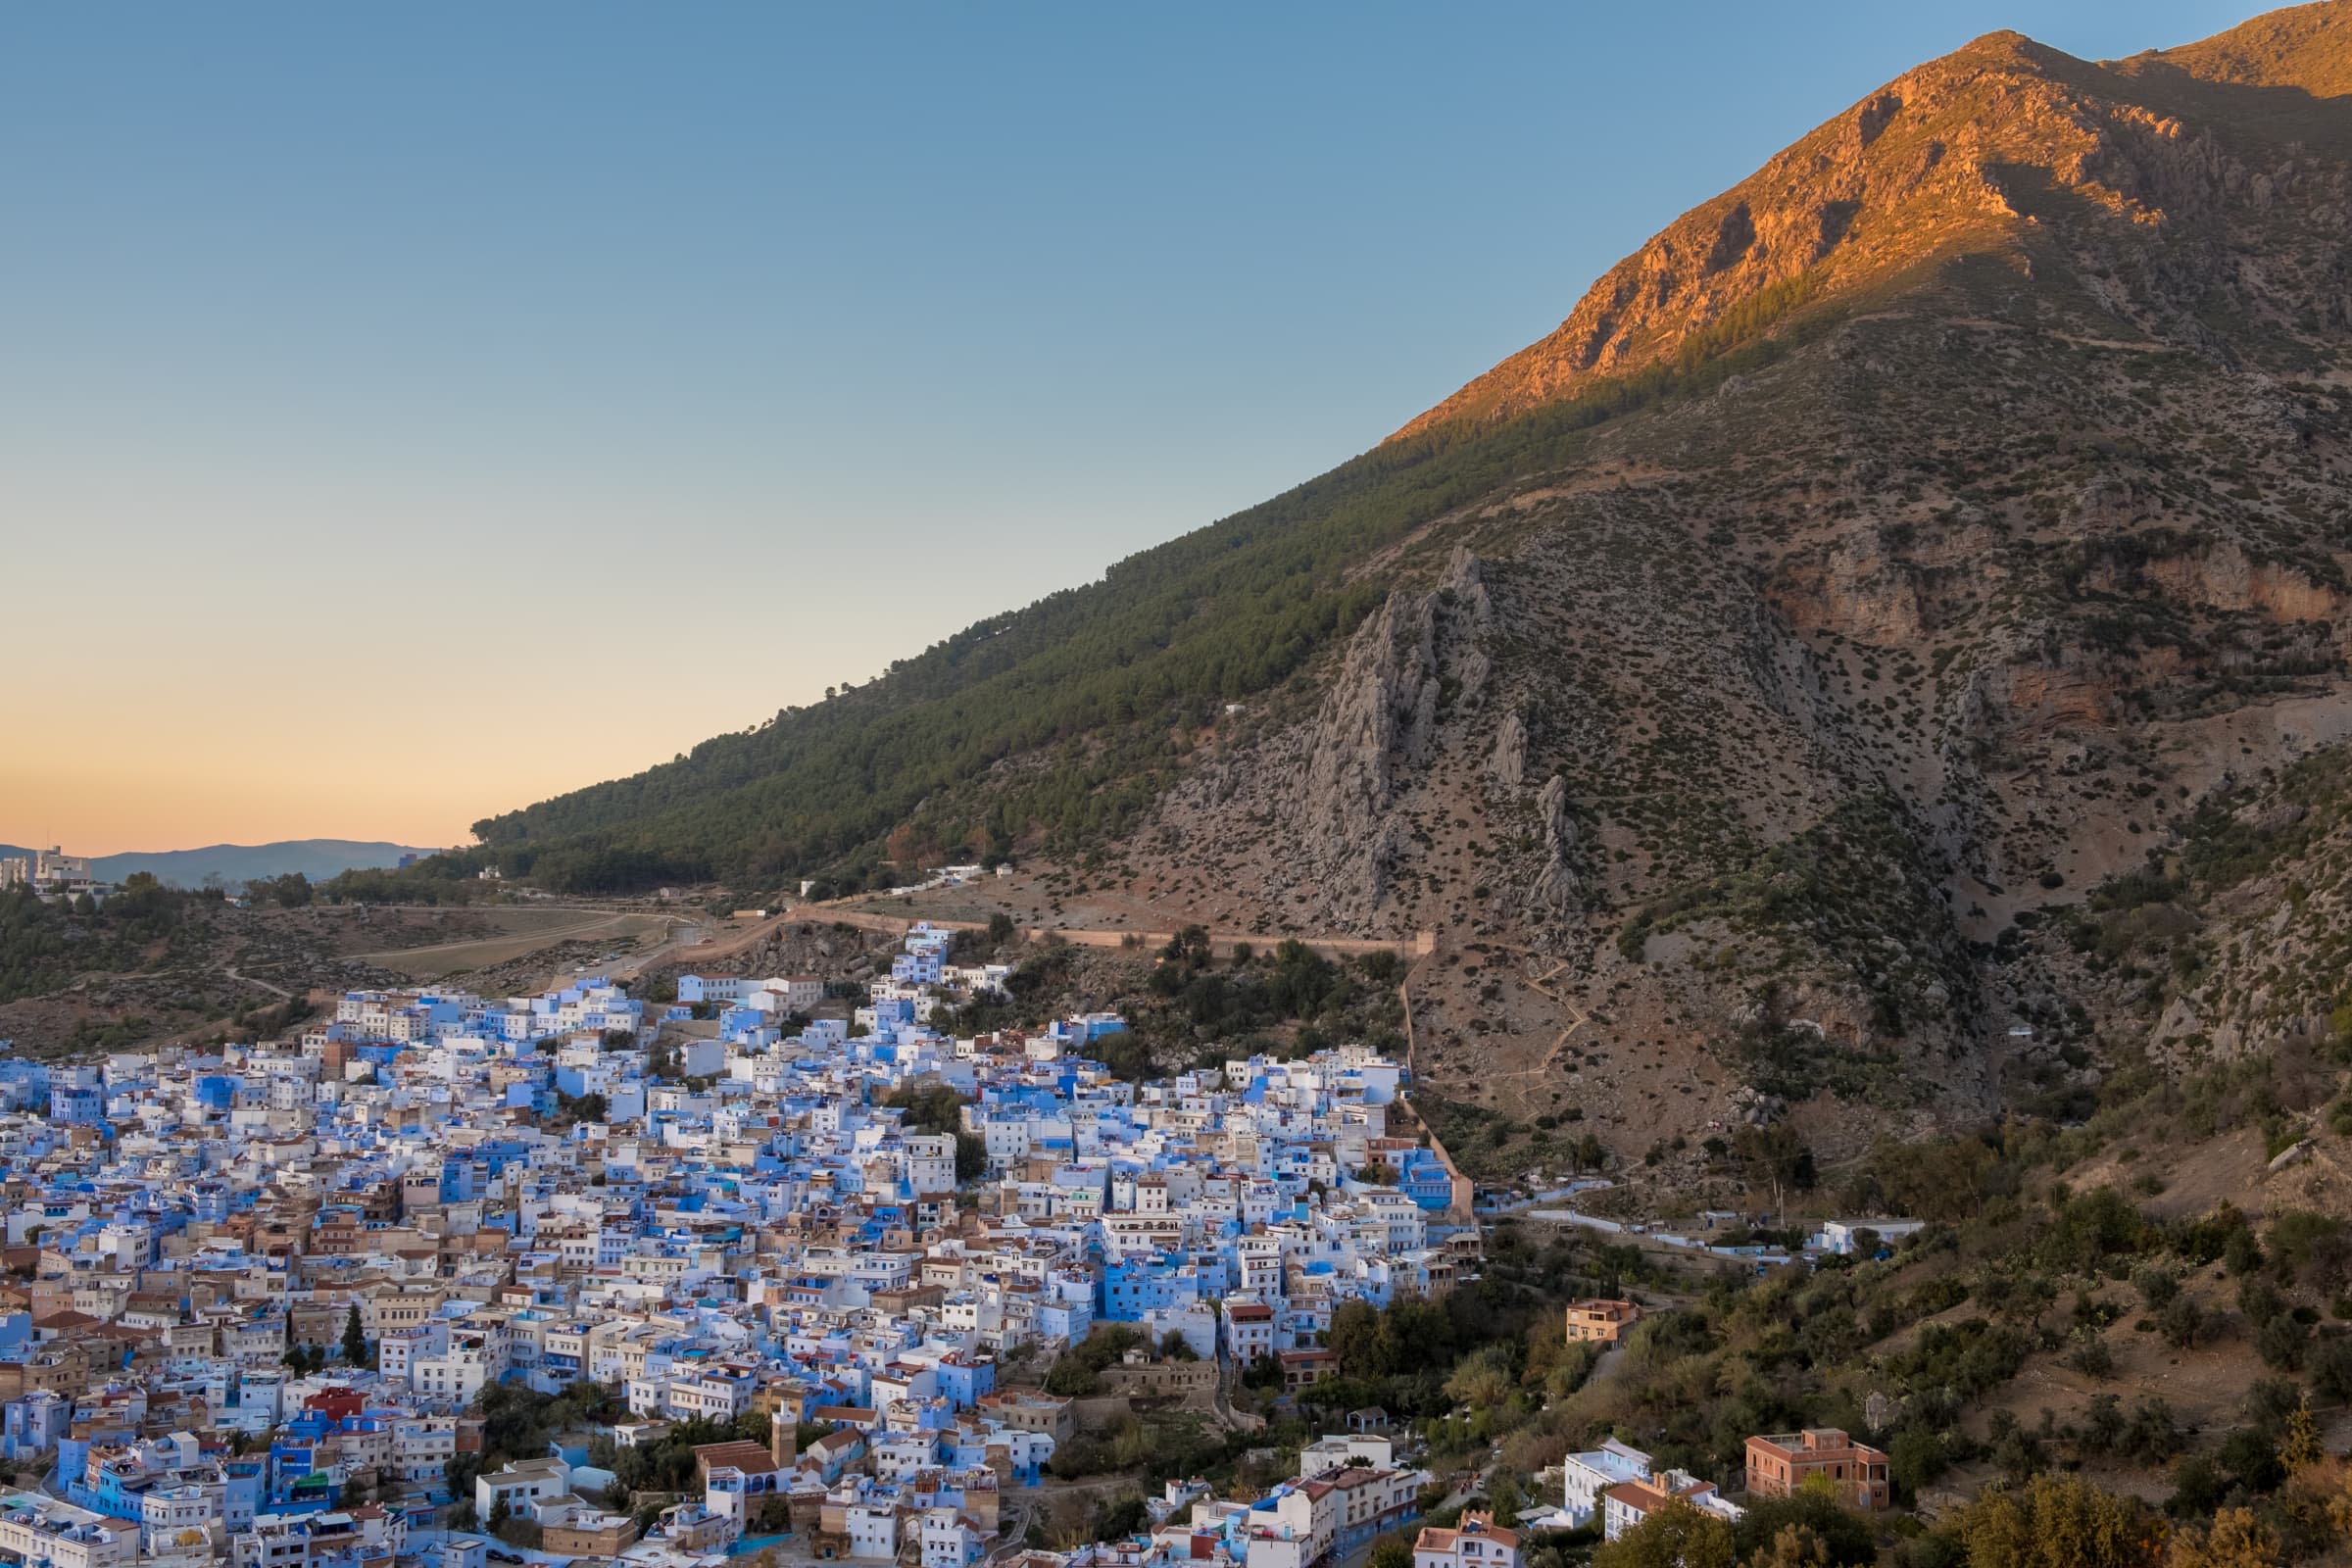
(1091, 689)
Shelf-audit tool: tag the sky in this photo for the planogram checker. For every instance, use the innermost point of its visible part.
(410, 412)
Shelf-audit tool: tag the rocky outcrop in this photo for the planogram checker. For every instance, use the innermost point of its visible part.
(1554, 890)
(1379, 713)
(1508, 759)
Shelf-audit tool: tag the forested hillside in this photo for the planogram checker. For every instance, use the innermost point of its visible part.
(1058, 721)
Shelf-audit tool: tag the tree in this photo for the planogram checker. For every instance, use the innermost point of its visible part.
(457, 1474)
(1394, 1549)
(2150, 1436)
(2236, 1540)
(1481, 1382)
(2280, 1341)
(1675, 1534)
(2054, 1522)
(291, 891)
(1794, 1547)
(1117, 1520)
(1843, 1536)
(501, 1511)
(2102, 1424)
(931, 1107)
(1355, 1337)
(971, 1157)
(2183, 1323)
(1775, 1154)
(355, 1337)
(2300, 1447)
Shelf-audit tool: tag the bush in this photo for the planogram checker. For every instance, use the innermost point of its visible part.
(2281, 1343)
(2197, 1488)
(1075, 1373)
(2182, 1324)
(1914, 1459)
(2259, 1302)
(2102, 1424)
(2093, 1359)
(2149, 1435)
(2331, 1367)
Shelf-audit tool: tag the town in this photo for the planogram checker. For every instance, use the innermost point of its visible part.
(812, 1277)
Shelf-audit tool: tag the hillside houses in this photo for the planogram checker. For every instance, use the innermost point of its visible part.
(739, 1220)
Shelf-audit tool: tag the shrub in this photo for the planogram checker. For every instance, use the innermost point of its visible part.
(2149, 1435)
(2331, 1362)
(2093, 1359)
(2183, 1323)
(2281, 1343)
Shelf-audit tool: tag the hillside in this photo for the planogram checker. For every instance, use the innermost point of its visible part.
(1896, 547)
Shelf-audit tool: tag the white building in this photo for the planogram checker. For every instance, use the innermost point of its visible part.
(1475, 1542)
(1588, 1475)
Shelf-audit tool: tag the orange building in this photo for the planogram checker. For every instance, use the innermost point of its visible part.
(1600, 1321)
(1778, 1464)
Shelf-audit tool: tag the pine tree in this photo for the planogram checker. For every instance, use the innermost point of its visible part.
(355, 1337)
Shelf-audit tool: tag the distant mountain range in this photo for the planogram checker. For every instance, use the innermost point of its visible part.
(316, 859)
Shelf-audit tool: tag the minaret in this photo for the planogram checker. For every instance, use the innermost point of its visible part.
(784, 1434)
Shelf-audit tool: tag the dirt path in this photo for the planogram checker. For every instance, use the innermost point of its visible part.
(230, 970)
(595, 921)
(699, 952)
(1418, 946)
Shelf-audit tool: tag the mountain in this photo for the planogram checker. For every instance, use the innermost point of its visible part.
(1761, 681)
(317, 859)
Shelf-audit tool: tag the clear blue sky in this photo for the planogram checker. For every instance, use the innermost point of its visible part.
(438, 369)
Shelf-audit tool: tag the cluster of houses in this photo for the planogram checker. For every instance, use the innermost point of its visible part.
(739, 1215)
(729, 1219)
(1621, 1486)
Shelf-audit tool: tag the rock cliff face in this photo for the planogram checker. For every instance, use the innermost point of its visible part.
(1742, 757)
(1380, 720)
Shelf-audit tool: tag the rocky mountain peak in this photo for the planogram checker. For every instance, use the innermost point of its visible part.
(1992, 146)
